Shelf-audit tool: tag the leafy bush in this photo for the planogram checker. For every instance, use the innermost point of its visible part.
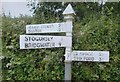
(94, 31)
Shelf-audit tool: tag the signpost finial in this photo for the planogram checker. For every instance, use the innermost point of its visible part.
(68, 10)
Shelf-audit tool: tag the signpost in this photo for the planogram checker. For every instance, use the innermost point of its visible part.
(93, 56)
(45, 41)
(49, 28)
(68, 17)
(39, 41)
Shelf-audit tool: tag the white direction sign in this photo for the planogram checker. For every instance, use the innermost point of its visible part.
(96, 56)
(49, 28)
(39, 41)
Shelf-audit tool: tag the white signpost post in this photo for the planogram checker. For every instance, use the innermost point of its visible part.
(45, 41)
(68, 17)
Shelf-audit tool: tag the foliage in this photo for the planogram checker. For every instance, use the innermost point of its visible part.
(0, 48)
(95, 28)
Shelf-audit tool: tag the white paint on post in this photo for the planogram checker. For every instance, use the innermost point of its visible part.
(69, 10)
(39, 41)
(93, 56)
(49, 28)
(68, 16)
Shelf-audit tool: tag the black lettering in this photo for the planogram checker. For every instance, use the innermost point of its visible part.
(80, 53)
(47, 39)
(26, 39)
(34, 45)
(59, 44)
(38, 45)
(26, 45)
(33, 39)
(59, 25)
(42, 45)
(80, 58)
(47, 44)
(83, 54)
(89, 58)
(35, 30)
(41, 38)
(37, 39)
(29, 44)
(92, 58)
(100, 59)
(29, 30)
(29, 38)
(77, 58)
(91, 53)
(53, 44)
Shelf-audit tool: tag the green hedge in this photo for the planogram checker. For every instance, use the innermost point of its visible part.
(93, 32)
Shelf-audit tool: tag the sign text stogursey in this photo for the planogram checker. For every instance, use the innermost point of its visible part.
(38, 41)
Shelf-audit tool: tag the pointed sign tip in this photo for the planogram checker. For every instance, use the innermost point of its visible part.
(68, 10)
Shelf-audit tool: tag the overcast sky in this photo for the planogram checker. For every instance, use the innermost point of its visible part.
(15, 7)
